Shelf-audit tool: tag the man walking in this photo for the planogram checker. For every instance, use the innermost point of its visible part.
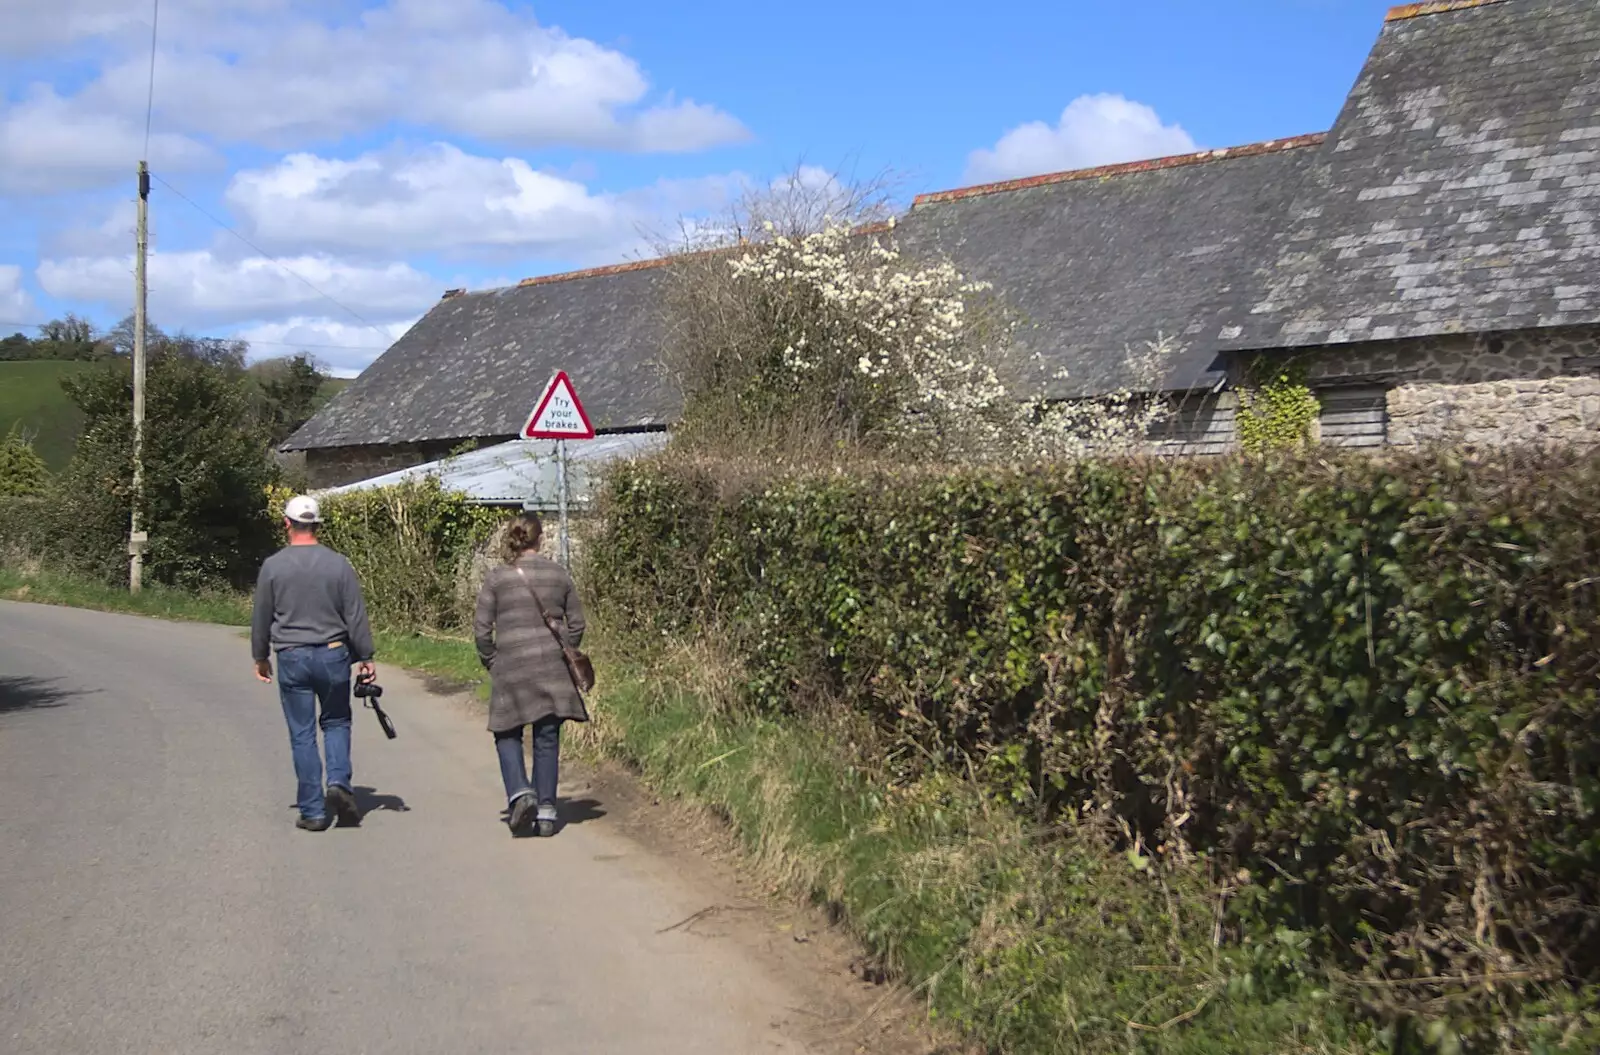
(308, 609)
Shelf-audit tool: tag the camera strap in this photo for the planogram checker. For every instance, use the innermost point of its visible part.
(383, 719)
(372, 703)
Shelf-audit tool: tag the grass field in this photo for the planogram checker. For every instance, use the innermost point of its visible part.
(30, 394)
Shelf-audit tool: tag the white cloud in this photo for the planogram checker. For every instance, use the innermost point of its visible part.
(469, 67)
(110, 236)
(199, 288)
(344, 348)
(49, 144)
(16, 304)
(1093, 130)
(34, 25)
(439, 199)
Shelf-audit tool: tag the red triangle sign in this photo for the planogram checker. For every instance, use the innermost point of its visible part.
(558, 414)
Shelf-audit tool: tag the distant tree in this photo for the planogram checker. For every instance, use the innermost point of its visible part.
(15, 347)
(218, 351)
(120, 337)
(291, 391)
(69, 329)
(68, 337)
(207, 468)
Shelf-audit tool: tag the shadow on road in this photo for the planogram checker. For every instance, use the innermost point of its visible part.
(578, 811)
(369, 800)
(19, 692)
(570, 811)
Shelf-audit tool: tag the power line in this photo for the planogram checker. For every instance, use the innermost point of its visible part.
(274, 260)
(150, 99)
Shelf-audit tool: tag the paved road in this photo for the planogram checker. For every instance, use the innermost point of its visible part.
(155, 896)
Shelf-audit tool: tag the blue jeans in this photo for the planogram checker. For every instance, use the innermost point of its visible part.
(309, 675)
(546, 761)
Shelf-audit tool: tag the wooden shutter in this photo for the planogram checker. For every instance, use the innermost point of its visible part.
(1355, 416)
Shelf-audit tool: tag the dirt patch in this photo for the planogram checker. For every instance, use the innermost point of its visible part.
(846, 1005)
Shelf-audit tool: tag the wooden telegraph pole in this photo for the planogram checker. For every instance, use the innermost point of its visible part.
(137, 536)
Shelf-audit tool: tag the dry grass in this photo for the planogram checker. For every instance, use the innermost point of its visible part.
(1030, 940)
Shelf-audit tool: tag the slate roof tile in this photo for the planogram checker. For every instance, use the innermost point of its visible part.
(1472, 128)
(1096, 261)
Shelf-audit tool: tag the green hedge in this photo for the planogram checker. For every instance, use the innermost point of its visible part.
(419, 550)
(1367, 689)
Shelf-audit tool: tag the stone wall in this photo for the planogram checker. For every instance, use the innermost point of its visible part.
(1481, 389)
(1460, 359)
(335, 466)
(1496, 413)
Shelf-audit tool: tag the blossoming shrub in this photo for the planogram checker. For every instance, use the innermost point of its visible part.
(1367, 690)
(811, 342)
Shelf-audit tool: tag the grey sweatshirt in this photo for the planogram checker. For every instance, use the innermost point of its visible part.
(309, 595)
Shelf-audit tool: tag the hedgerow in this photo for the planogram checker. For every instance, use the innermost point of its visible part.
(419, 550)
(1365, 690)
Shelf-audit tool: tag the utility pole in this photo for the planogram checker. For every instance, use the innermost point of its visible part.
(137, 536)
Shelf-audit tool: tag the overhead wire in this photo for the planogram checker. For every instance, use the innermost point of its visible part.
(388, 338)
(150, 98)
(149, 115)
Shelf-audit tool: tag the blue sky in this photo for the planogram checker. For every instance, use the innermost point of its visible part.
(370, 154)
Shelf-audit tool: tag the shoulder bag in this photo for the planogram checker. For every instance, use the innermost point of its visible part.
(578, 664)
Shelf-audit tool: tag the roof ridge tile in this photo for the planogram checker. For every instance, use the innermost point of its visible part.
(878, 227)
(1434, 7)
(1269, 146)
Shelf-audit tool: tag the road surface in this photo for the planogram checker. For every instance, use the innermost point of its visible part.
(155, 896)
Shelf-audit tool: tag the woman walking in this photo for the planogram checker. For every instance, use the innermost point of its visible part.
(522, 608)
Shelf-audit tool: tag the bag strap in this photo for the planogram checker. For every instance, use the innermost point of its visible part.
(549, 621)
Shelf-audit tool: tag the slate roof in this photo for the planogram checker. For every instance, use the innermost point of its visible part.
(1096, 261)
(1459, 191)
(475, 364)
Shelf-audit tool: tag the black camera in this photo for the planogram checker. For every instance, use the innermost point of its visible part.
(368, 690)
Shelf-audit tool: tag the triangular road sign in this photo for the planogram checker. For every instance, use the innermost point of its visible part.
(558, 415)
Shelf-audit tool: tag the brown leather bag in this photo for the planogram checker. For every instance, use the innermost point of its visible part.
(578, 664)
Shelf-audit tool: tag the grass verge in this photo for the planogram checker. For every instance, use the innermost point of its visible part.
(43, 586)
(1031, 941)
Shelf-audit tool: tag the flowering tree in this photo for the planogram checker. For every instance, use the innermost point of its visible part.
(830, 338)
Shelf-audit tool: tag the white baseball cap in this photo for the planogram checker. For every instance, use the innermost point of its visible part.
(303, 509)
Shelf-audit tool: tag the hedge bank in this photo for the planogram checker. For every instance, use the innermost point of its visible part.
(1364, 690)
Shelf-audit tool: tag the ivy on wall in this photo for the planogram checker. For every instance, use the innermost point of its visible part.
(1277, 411)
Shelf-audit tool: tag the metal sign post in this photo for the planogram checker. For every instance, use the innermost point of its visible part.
(561, 469)
(560, 416)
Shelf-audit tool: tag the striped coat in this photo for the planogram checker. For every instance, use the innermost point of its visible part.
(529, 678)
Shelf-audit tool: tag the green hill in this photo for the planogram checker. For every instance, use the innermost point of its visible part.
(30, 394)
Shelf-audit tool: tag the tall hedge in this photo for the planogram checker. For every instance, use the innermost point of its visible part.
(1366, 688)
(419, 550)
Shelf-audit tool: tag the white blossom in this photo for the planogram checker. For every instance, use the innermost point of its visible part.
(854, 309)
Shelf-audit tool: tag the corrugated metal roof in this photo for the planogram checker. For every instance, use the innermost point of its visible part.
(522, 472)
